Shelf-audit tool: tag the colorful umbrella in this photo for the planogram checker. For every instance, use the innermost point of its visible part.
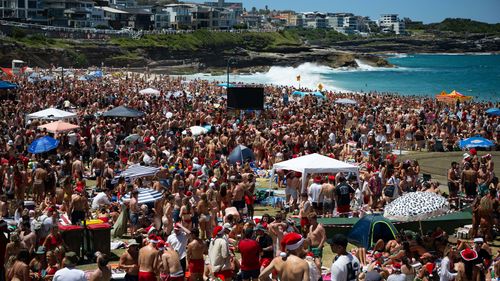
(42, 145)
(476, 141)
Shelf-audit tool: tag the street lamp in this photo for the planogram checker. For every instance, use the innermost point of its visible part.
(228, 63)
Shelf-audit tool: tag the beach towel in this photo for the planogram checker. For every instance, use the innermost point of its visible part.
(120, 226)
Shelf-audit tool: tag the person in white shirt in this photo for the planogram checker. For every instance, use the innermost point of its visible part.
(69, 272)
(315, 196)
(445, 273)
(178, 241)
(101, 199)
(345, 267)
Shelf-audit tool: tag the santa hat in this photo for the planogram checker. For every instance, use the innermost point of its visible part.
(331, 178)
(473, 151)
(153, 238)
(291, 241)
(468, 254)
(396, 266)
(78, 189)
(298, 174)
(218, 230)
(317, 179)
(161, 245)
(466, 156)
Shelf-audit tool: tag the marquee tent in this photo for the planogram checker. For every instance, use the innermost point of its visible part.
(315, 163)
(52, 114)
(149, 91)
(123, 111)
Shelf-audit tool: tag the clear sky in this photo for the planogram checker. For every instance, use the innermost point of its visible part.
(423, 10)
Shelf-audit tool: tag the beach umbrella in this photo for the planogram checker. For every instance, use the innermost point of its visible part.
(132, 138)
(146, 195)
(42, 145)
(123, 111)
(493, 111)
(4, 85)
(417, 206)
(241, 154)
(346, 101)
(149, 91)
(226, 85)
(476, 141)
(196, 130)
(298, 93)
(317, 94)
(58, 127)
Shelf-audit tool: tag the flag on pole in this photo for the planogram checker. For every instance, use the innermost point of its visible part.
(298, 78)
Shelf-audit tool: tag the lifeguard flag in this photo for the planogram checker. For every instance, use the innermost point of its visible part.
(298, 77)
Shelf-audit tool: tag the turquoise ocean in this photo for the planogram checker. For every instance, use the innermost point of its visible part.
(476, 75)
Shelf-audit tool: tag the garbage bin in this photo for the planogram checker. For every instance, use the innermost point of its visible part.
(100, 235)
(72, 236)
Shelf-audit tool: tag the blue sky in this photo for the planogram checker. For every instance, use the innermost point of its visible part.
(424, 10)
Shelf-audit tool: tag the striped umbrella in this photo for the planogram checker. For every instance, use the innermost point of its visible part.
(146, 195)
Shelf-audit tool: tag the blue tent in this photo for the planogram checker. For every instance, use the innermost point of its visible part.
(42, 145)
(96, 74)
(225, 85)
(369, 229)
(476, 141)
(4, 85)
(303, 94)
(493, 111)
(241, 154)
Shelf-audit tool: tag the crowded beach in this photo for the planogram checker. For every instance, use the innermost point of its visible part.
(158, 166)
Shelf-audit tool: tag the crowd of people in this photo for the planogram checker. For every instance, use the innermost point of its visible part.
(206, 213)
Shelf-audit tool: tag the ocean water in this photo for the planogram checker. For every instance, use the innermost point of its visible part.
(423, 74)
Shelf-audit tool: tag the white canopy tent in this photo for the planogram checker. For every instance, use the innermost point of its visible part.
(149, 91)
(315, 164)
(52, 114)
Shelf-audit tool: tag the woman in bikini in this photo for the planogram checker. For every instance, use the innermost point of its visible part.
(186, 214)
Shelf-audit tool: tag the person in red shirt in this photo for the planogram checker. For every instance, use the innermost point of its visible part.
(250, 252)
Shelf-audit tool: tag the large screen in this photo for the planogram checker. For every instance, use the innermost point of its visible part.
(245, 98)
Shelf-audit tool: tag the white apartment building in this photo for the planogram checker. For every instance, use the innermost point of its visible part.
(345, 23)
(391, 23)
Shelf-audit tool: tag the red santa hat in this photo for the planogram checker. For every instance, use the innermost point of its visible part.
(218, 230)
(331, 177)
(317, 179)
(153, 238)
(473, 151)
(161, 245)
(291, 241)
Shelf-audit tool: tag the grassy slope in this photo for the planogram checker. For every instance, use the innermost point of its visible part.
(202, 39)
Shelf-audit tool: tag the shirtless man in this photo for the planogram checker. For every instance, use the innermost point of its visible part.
(148, 256)
(28, 237)
(129, 261)
(316, 236)
(78, 206)
(484, 177)
(238, 197)
(195, 250)
(204, 213)
(77, 168)
(469, 181)
(134, 211)
(290, 191)
(171, 265)
(304, 209)
(103, 271)
(328, 193)
(453, 182)
(276, 265)
(296, 183)
(39, 177)
(20, 268)
(98, 167)
(295, 267)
